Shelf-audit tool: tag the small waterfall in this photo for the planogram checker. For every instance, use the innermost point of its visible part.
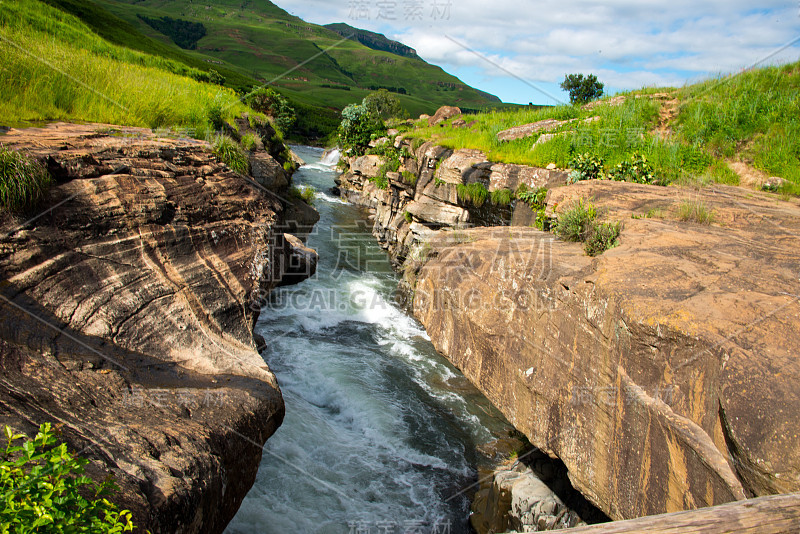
(331, 157)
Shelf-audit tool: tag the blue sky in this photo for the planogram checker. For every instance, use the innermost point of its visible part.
(520, 50)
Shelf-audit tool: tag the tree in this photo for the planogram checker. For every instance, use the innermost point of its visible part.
(582, 90)
(383, 104)
(358, 128)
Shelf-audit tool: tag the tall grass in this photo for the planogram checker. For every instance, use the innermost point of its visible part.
(54, 68)
(231, 153)
(23, 180)
(753, 115)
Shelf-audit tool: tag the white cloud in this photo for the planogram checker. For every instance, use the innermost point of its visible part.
(628, 43)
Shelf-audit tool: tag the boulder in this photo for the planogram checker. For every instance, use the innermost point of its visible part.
(367, 166)
(267, 171)
(434, 211)
(442, 114)
(128, 307)
(653, 371)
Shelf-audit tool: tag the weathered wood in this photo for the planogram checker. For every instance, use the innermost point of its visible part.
(775, 514)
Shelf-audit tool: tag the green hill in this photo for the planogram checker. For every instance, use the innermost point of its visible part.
(251, 43)
(376, 41)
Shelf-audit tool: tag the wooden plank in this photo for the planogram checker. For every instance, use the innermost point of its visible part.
(776, 514)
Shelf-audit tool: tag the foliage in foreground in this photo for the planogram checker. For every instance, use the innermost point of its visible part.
(230, 153)
(23, 180)
(42, 488)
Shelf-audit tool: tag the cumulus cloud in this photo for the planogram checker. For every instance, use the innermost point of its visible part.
(628, 43)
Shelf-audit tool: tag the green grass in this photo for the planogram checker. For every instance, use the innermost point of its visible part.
(502, 197)
(753, 116)
(476, 193)
(55, 68)
(695, 211)
(229, 152)
(23, 181)
(575, 223)
(602, 237)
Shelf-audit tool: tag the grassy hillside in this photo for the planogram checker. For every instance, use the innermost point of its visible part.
(375, 41)
(260, 40)
(689, 134)
(54, 67)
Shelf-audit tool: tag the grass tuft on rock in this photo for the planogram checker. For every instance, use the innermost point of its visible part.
(229, 152)
(23, 181)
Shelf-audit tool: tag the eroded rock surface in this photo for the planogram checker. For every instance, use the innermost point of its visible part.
(128, 303)
(663, 372)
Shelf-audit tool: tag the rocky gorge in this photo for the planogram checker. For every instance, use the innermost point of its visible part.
(129, 298)
(662, 373)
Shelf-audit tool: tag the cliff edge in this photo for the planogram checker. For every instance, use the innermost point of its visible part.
(128, 302)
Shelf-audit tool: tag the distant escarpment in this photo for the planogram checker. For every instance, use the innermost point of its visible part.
(128, 301)
(662, 373)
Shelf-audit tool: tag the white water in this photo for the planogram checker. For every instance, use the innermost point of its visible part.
(379, 429)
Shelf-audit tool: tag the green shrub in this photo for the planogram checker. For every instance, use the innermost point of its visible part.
(270, 102)
(23, 180)
(380, 181)
(586, 167)
(249, 142)
(502, 197)
(358, 128)
(575, 223)
(43, 489)
(601, 238)
(305, 193)
(582, 89)
(637, 170)
(535, 199)
(408, 217)
(695, 211)
(229, 152)
(475, 192)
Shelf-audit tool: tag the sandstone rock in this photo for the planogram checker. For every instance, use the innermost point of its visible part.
(529, 130)
(459, 123)
(392, 133)
(432, 210)
(368, 166)
(267, 171)
(300, 261)
(507, 176)
(551, 167)
(461, 167)
(652, 371)
(378, 142)
(544, 138)
(442, 114)
(424, 117)
(127, 319)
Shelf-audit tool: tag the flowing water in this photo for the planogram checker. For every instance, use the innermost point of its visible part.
(380, 432)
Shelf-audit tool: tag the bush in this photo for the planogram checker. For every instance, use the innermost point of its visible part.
(382, 104)
(582, 90)
(23, 180)
(268, 101)
(307, 194)
(229, 152)
(586, 167)
(601, 238)
(409, 177)
(42, 488)
(408, 217)
(358, 128)
(636, 170)
(475, 192)
(535, 199)
(575, 223)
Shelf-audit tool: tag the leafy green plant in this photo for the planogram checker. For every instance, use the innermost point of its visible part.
(408, 217)
(306, 193)
(43, 489)
(575, 223)
(358, 128)
(23, 180)
(587, 166)
(475, 192)
(270, 102)
(249, 142)
(502, 197)
(601, 238)
(695, 211)
(229, 152)
(637, 170)
(535, 199)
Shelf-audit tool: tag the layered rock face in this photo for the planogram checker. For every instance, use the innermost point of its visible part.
(662, 373)
(128, 303)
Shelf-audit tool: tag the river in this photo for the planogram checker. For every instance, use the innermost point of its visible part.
(380, 433)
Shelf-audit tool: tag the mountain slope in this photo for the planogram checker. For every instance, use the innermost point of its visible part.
(308, 62)
(375, 41)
